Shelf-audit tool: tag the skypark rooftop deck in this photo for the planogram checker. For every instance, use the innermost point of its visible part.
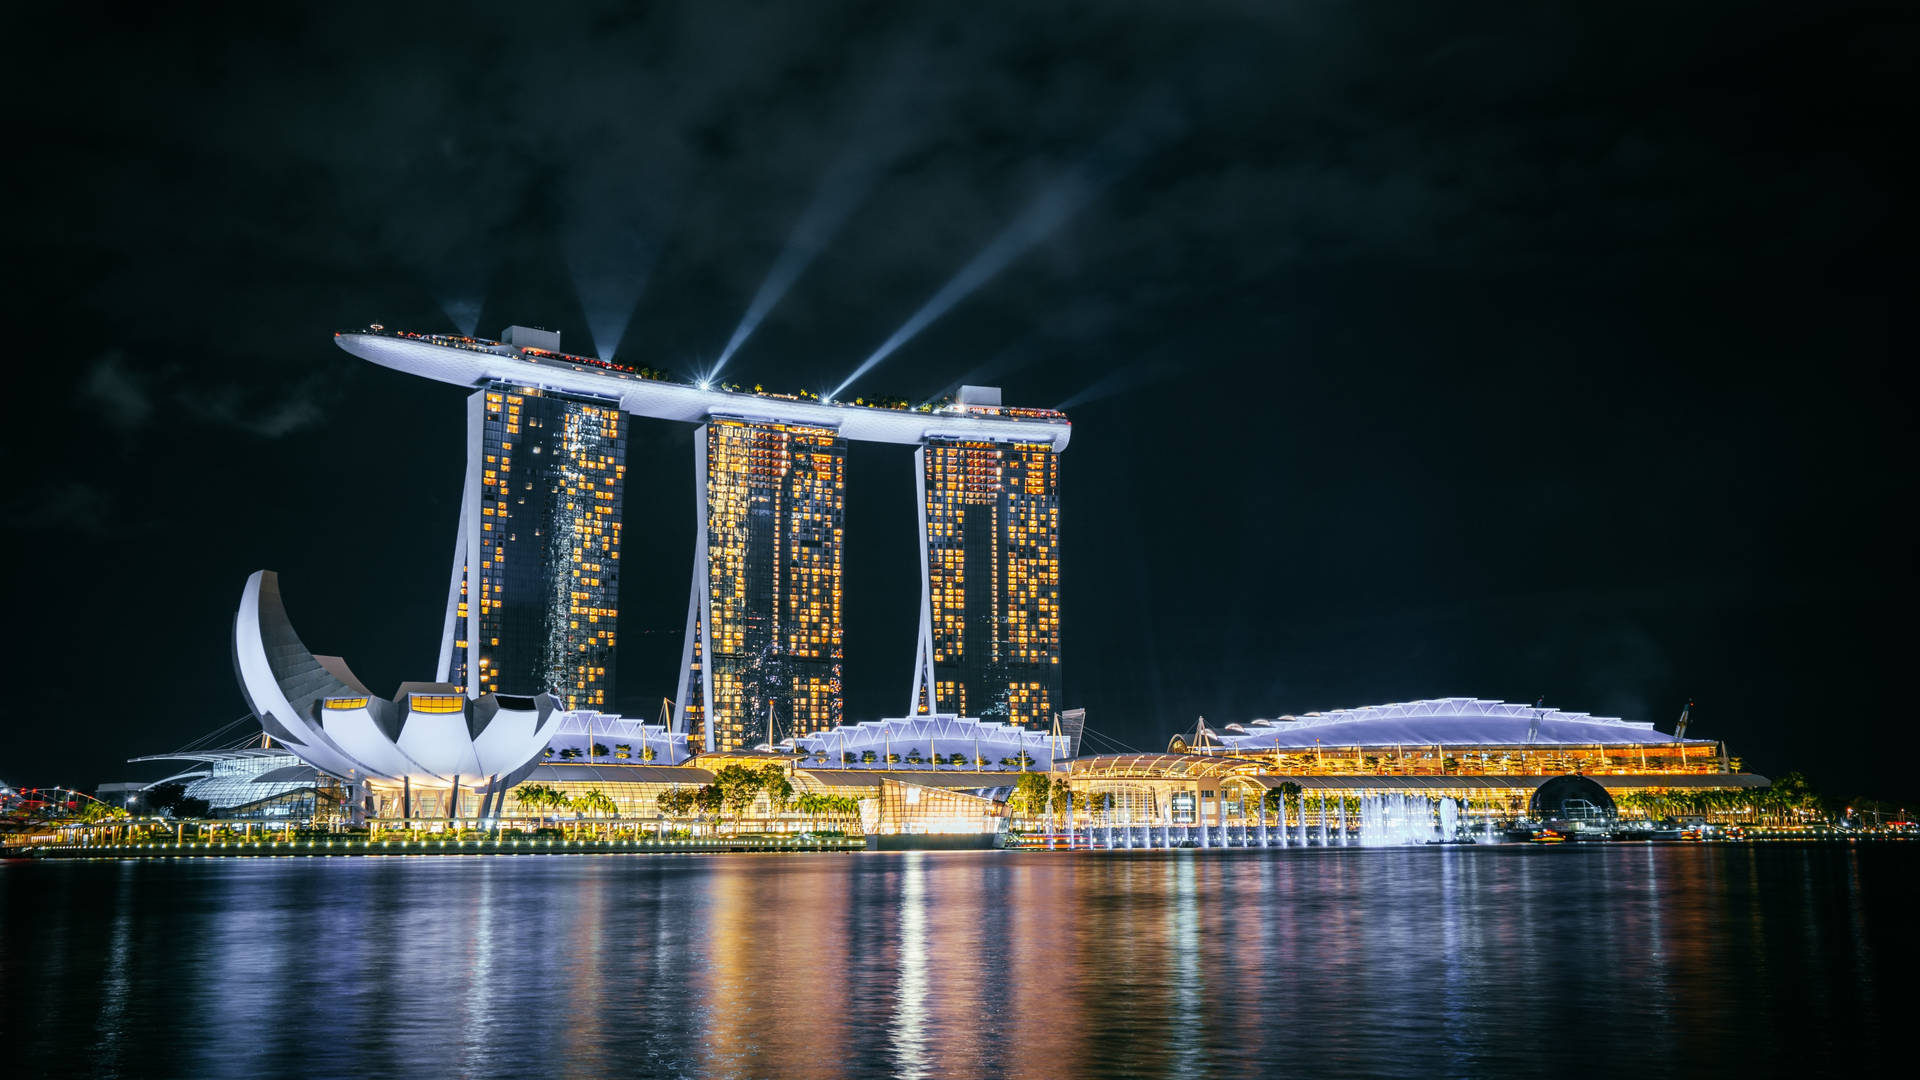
(466, 361)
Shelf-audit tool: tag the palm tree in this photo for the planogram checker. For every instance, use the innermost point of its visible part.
(847, 806)
(560, 800)
(95, 811)
(597, 802)
(533, 796)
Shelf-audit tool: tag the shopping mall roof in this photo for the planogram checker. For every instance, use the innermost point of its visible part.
(1457, 721)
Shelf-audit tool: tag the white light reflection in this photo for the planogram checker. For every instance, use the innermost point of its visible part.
(113, 988)
(1183, 1045)
(480, 1019)
(910, 999)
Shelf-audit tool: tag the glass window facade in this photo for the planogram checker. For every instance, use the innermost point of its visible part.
(992, 520)
(767, 648)
(538, 613)
(916, 810)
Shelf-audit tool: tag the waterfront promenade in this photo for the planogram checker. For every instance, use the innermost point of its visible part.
(771, 843)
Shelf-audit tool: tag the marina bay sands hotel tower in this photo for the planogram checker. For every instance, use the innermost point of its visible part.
(532, 599)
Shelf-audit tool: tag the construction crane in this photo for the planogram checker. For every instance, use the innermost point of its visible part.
(1680, 727)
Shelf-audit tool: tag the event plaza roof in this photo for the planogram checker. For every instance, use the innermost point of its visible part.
(912, 737)
(1456, 721)
(582, 729)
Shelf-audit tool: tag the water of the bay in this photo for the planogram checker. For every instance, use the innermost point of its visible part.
(1506, 961)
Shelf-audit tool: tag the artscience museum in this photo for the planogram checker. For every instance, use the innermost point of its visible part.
(429, 740)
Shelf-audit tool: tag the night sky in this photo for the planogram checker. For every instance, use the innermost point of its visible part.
(1413, 349)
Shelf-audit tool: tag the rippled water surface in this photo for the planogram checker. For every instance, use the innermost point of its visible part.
(1723, 960)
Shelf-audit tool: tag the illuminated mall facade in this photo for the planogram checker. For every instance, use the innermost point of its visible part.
(1489, 756)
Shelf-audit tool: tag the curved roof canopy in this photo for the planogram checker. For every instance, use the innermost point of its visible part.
(1160, 765)
(1457, 721)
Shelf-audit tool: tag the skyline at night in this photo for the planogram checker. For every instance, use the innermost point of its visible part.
(1174, 538)
(1410, 354)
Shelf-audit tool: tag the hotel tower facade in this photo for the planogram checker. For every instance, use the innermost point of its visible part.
(989, 640)
(763, 647)
(532, 603)
(534, 595)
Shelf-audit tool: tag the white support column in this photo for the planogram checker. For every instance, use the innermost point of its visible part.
(679, 718)
(699, 610)
(923, 650)
(476, 459)
(451, 624)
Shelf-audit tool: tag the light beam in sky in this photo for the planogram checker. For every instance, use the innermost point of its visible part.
(463, 313)
(1053, 206)
(1151, 123)
(841, 192)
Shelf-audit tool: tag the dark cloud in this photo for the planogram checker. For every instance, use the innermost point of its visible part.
(130, 399)
(269, 416)
(64, 506)
(122, 396)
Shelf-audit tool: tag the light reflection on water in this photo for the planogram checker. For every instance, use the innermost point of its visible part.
(1455, 962)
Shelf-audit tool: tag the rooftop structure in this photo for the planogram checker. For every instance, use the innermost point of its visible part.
(936, 742)
(598, 738)
(470, 362)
